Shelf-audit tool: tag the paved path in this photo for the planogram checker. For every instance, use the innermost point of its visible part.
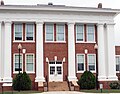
(63, 92)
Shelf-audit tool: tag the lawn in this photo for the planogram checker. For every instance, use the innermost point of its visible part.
(21, 92)
(103, 91)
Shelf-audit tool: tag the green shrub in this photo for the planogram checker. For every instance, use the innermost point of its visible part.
(24, 83)
(87, 80)
(115, 85)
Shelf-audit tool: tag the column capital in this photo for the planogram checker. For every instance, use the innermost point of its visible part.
(69, 23)
(8, 22)
(110, 23)
(40, 22)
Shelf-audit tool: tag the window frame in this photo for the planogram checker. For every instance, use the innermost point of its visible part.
(77, 62)
(87, 33)
(26, 63)
(14, 32)
(57, 33)
(18, 62)
(89, 64)
(77, 33)
(33, 32)
(116, 62)
(53, 32)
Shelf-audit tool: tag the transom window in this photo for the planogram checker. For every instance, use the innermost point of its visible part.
(18, 32)
(29, 32)
(29, 62)
(117, 63)
(90, 33)
(79, 33)
(91, 62)
(80, 62)
(16, 62)
(60, 32)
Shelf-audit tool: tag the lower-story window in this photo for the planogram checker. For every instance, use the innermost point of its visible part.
(91, 62)
(29, 62)
(16, 61)
(118, 63)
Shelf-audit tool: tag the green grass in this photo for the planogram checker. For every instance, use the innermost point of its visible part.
(103, 91)
(22, 92)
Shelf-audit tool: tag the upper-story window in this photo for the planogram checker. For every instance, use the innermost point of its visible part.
(80, 62)
(90, 33)
(79, 33)
(60, 31)
(18, 32)
(91, 62)
(29, 32)
(117, 63)
(49, 32)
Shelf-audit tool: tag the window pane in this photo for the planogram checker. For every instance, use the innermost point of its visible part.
(90, 33)
(91, 62)
(17, 61)
(18, 31)
(117, 63)
(29, 66)
(80, 62)
(29, 31)
(79, 32)
(80, 67)
(49, 32)
(60, 32)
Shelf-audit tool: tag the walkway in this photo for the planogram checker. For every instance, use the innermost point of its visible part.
(63, 92)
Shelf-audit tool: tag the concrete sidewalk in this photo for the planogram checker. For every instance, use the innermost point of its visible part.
(63, 92)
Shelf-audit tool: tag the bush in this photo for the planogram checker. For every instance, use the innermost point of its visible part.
(24, 83)
(115, 85)
(87, 80)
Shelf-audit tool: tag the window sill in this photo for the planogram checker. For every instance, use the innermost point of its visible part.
(80, 71)
(30, 72)
(23, 41)
(55, 41)
(86, 42)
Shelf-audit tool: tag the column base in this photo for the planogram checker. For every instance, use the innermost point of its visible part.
(7, 80)
(109, 78)
(39, 79)
(112, 78)
(102, 78)
(72, 78)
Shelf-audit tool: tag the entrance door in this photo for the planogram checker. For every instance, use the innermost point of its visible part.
(55, 71)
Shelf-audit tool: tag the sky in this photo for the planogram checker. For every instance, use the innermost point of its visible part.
(114, 4)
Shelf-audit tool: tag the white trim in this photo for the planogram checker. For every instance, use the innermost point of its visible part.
(87, 33)
(53, 31)
(88, 63)
(33, 63)
(57, 34)
(115, 63)
(33, 32)
(14, 32)
(83, 62)
(83, 33)
(14, 62)
(24, 41)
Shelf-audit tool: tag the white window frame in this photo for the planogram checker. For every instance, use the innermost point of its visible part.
(14, 32)
(26, 63)
(83, 33)
(33, 32)
(87, 33)
(53, 31)
(77, 63)
(88, 62)
(14, 62)
(116, 62)
(57, 34)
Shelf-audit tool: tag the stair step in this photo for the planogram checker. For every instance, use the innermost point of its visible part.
(58, 86)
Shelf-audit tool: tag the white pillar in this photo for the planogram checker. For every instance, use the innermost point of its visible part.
(7, 53)
(101, 53)
(0, 52)
(39, 53)
(111, 52)
(71, 53)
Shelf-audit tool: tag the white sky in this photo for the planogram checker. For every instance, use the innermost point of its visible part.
(114, 4)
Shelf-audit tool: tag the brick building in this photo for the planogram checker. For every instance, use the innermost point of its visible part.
(57, 42)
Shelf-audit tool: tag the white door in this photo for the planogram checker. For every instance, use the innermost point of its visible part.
(55, 71)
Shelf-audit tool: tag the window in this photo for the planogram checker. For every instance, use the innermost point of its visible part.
(29, 63)
(49, 32)
(29, 32)
(18, 31)
(117, 63)
(80, 62)
(91, 62)
(79, 33)
(60, 32)
(16, 61)
(90, 33)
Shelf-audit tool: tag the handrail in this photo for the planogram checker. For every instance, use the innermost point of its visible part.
(69, 86)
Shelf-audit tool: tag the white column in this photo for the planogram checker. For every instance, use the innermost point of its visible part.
(0, 52)
(71, 53)
(101, 53)
(39, 53)
(7, 53)
(111, 52)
